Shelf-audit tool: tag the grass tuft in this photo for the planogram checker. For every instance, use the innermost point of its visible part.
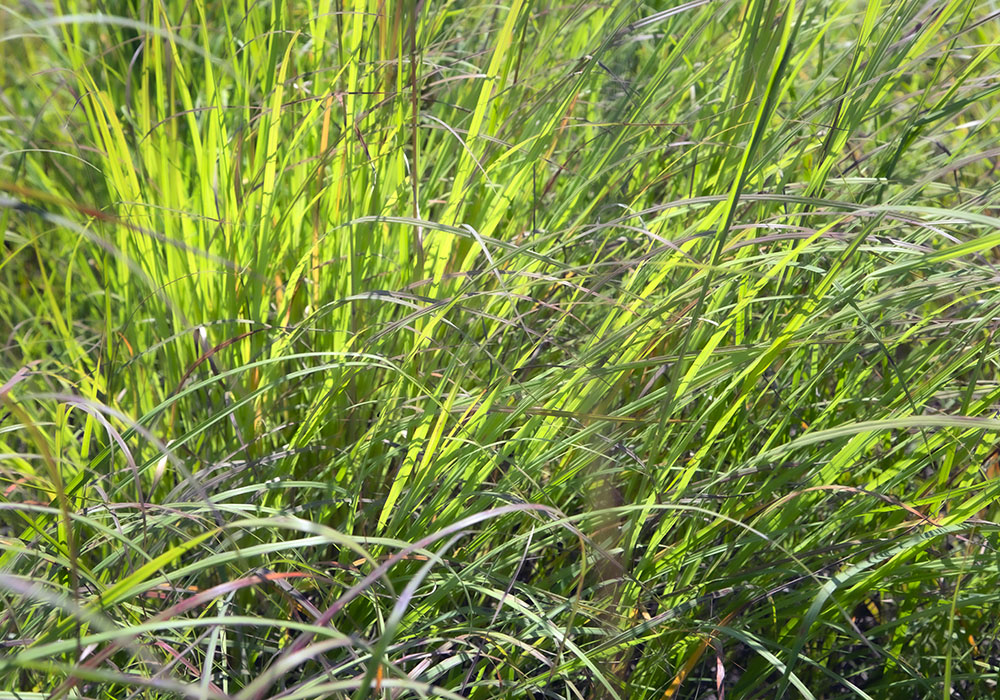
(433, 349)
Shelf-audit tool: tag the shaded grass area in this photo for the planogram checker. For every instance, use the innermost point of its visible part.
(440, 349)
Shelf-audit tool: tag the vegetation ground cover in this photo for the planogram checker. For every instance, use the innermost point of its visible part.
(520, 350)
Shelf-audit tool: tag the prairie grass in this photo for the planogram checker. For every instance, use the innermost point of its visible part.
(514, 350)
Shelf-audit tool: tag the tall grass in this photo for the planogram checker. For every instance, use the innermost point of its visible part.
(521, 350)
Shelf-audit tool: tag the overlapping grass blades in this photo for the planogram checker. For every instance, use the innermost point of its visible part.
(517, 350)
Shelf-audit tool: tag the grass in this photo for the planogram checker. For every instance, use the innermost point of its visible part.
(520, 350)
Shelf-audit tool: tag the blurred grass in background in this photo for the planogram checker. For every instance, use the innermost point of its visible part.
(622, 350)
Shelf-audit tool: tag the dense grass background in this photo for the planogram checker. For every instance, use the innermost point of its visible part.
(521, 350)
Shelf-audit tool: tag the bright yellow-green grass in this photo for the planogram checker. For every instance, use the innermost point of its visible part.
(499, 350)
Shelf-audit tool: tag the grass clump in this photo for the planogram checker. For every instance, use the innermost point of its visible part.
(435, 349)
